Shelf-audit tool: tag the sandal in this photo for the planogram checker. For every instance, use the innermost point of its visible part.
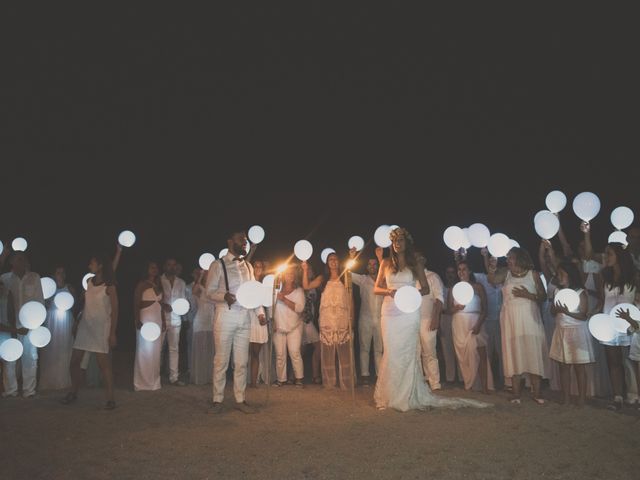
(515, 401)
(298, 383)
(69, 399)
(278, 383)
(110, 405)
(539, 401)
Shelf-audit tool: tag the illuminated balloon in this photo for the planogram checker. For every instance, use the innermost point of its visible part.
(180, 306)
(256, 234)
(19, 244)
(356, 242)
(514, 244)
(586, 206)
(620, 324)
(251, 294)
(303, 250)
(223, 252)
(49, 287)
(463, 293)
(11, 350)
(556, 201)
(40, 337)
(479, 235)
(408, 299)
(32, 315)
(127, 238)
(205, 260)
(269, 280)
(63, 301)
(465, 242)
(150, 331)
(618, 237)
(1, 247)
(568, 297)
(622, 217)
(499, 245)
(382, 236)
(453, 237)
(85, 280)
(546, 224)
(325, 254)
(601, 327)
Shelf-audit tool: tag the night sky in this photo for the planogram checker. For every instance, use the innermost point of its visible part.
(316, 121)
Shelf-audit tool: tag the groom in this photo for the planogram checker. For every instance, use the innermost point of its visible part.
(232, 322)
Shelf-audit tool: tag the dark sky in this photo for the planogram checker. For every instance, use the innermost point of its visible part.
(178, 123)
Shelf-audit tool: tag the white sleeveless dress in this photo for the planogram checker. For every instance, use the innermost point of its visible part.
(401, 384)
(571, 342)
(95, 326)
(146, 369)
(466, 344)
(524, 345)
(56, 356)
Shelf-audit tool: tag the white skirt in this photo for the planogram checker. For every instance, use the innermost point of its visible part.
(259, 333)
(572, 345)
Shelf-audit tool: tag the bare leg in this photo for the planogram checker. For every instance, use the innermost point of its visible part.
(254, 353)
(616, 373)
(581, 378)
(516, 385)
(565, 382)
(75, 370)
(482, 369)
(535, 383)
(104, 362)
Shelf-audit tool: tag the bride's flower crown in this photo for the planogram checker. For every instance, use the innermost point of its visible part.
(400, 232)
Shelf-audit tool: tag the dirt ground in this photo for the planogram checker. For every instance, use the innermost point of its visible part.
(309, 434)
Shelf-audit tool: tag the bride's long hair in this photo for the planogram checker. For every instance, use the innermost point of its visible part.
(410, 256)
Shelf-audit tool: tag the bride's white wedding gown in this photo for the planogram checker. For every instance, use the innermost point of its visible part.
(401, 383)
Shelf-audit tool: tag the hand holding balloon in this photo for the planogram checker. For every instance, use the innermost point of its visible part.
(585, 227)
(379, 254)
(626, 315)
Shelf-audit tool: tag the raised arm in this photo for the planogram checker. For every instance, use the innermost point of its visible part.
(545, 254)
(310, 285)
(116, 258)
(566, 248)
(380, 287)
(496, 275)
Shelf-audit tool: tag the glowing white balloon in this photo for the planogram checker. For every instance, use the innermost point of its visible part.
(479, 235)
(127, 238)
(205, 260)
(49, 287)
(32, 315)
(1, 247)
(622, 217)
(150, 331)
(620, 324)
(463, 293)
(40, 337)
(356, 242)
(11, 350)
(408, 299)
(19, 244)
(256, 234)
(514, 244)
(453, 237)
(382, 236)
(223, 252)
(303, 250)
(85, 280)
(269, 280)
(586, 206)
(568, 297)
(465, 241)
(63, 301)
(499, 245)
(251, 294)
(180, 306)
(618, 237)
(325, 254)
(556, 201)
(546, 224)
(544, 281)
(601, 327)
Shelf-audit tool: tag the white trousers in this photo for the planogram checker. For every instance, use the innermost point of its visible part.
(231, 329)
(448, 350)
(29, 364)
(172, 337)
(288, 342)
(369, 330)
(428, 353)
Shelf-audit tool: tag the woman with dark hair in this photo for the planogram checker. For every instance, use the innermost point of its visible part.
(618, 286)
(401, 384)
(147, 307)
(96, 332)
(310, 335)
(571, 344)
(524, 345)
(469, 335)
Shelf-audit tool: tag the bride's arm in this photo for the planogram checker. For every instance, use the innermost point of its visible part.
(380, 288)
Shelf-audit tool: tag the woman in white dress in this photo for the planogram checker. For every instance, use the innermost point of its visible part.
(147, 306)
(571, 344)
(202, 342)
(469, 334)
(618, 286)
(524, 344)
(55, 357)
(401, 384)
(287, 335)
(97, 331)
(259, 334)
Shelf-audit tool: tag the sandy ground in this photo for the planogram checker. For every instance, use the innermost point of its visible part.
(309, 434)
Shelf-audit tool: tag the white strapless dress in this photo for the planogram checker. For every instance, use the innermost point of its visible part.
(401, 383)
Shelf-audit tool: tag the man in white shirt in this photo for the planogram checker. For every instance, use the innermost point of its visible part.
(21, 286)
(369, 327)
(232, 322)
(173, 288)
(430, 312)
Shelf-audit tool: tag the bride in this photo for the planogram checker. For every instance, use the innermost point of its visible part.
(401, 384)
